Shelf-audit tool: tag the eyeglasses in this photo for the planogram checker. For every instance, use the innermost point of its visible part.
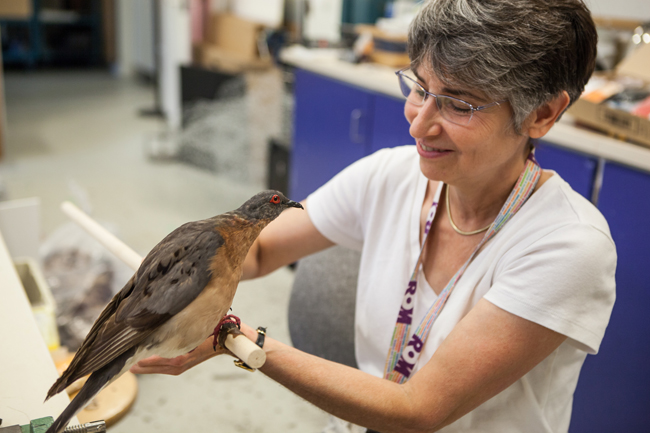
(452, 109)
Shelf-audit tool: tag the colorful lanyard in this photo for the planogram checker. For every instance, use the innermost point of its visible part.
(402, 357)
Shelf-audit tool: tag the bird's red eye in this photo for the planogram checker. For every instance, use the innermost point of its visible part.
(275, 199)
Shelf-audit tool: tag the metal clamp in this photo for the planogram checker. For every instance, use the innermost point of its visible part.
(89, 427)
(241, 364)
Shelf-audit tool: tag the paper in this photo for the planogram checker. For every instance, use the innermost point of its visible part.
(267, 12)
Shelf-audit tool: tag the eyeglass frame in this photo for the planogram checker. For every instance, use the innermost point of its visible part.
(473, 109)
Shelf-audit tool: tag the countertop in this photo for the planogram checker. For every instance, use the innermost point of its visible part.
(381, 79)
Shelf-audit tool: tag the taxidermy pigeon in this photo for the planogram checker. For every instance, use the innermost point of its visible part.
(174, 301)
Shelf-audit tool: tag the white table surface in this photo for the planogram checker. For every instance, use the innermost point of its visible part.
(26, 367)
(381, 79)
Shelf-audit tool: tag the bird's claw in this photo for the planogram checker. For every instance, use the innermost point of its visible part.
(228, 323)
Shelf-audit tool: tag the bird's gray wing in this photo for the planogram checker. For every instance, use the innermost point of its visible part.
(170, 278)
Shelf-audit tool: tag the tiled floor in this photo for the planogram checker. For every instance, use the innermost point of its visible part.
(78, 135)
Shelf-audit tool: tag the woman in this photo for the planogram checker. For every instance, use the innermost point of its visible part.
(486, 328)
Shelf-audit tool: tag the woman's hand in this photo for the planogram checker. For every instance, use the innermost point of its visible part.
(180, 364)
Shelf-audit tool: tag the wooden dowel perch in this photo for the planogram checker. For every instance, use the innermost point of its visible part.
(243, 348)
(106, 238)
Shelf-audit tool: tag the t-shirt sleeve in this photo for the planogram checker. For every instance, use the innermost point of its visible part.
(336, 208)
(563, 281)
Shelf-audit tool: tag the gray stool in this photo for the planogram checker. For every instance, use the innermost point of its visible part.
(321, 306)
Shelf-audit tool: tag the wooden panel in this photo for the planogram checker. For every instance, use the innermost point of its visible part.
(3, 116)
(108, 29)
(15, 9)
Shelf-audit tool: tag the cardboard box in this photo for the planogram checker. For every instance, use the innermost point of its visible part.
(233, 45)
(388, 58)
(212, 56)
(388, 49)
(616, 23)
(13, 9)
(616, 122)
(233, 34)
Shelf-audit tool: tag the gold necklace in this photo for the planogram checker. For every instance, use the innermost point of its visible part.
(459, 231)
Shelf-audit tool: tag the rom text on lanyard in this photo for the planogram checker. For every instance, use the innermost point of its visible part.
(402, 357)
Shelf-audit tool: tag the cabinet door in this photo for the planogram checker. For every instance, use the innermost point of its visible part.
(390, 127)
(576, 169)
(613, 393)
(332, 129)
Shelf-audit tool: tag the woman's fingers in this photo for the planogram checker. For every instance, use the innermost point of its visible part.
(158, 365)
(170, 370)
(178, 365)
(154, 361)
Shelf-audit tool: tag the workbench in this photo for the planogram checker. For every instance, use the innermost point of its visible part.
(26, 367)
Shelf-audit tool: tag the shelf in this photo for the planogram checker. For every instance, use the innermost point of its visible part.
(76, 22)
(10, 57)
(65, 17)
(4, 21)
(36, 34)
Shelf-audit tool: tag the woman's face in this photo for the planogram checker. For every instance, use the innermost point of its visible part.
(484, 150)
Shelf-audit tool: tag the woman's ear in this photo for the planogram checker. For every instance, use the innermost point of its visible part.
(545, 116)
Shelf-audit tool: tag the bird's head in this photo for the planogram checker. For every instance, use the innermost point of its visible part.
(267, 205)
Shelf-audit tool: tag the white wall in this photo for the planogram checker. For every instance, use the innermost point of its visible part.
(267, 12)
(135, 46)
(629, 9)
(323, 21)
(143, 41)
(125, 37)
(176, 49)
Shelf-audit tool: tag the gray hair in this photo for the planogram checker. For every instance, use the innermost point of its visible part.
(525, 51)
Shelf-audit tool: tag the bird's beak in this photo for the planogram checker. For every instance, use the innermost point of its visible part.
(292, 203)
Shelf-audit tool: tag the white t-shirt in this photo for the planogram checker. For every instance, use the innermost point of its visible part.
(553, 263)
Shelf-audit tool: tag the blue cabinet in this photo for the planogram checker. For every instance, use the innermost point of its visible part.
(336, 124)
(331, 130)
(390, 127)
(613, 393)
(577, 169)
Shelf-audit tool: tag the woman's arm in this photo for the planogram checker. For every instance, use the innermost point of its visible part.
(486, 352)
(287, 239)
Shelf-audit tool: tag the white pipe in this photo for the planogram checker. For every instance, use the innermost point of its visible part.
(243, 348)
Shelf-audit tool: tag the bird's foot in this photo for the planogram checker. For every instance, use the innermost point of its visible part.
(227, 323)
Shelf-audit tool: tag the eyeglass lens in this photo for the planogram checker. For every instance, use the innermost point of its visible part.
(453, 110)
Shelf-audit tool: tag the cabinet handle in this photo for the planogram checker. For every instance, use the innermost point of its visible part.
(355, 123)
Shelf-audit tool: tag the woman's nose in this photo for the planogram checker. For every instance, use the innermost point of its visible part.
(425, 120)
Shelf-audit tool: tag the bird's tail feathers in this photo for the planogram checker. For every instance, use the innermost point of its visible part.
(95, 383)
(91, 388)
(60, 384)
(67, 378)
